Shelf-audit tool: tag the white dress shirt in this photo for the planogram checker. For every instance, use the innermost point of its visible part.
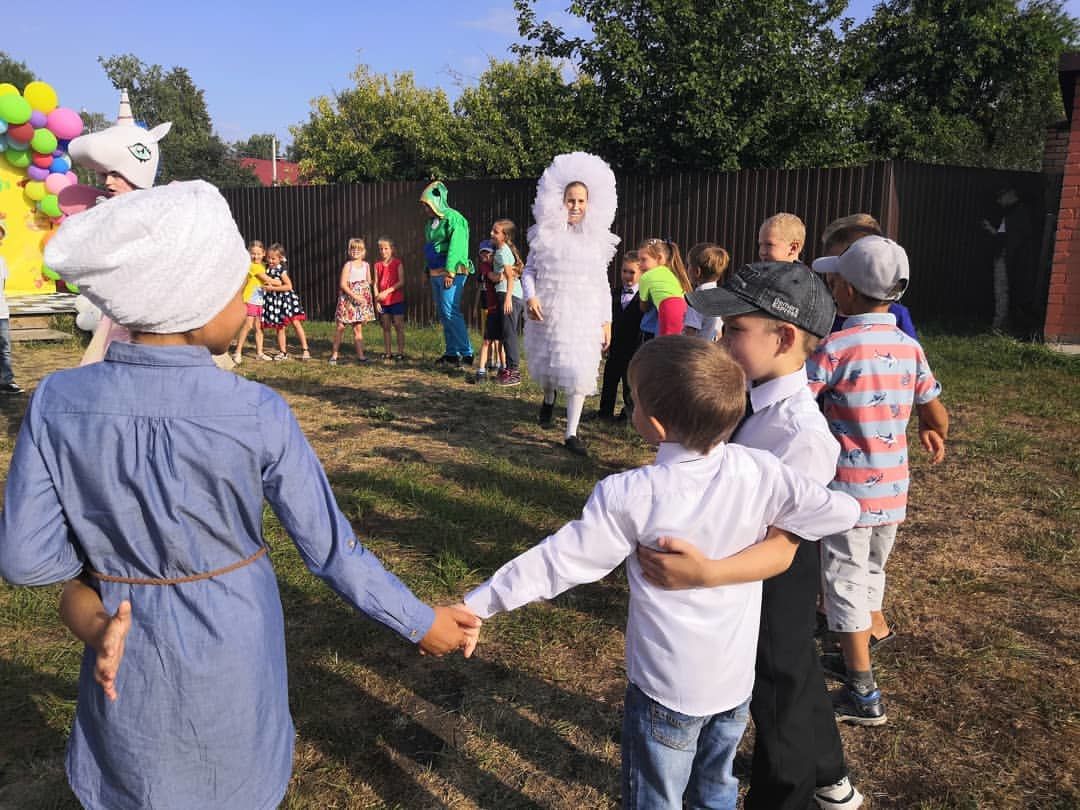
(691, 650)
(788, 423)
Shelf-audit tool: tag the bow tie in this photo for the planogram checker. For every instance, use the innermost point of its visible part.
(628, 290)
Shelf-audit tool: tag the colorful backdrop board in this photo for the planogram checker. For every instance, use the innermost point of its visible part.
(34, 169)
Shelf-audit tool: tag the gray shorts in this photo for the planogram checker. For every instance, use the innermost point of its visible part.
(853, 574)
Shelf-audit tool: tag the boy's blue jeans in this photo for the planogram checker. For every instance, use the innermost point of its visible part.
(668, 756)
(448, 304)
(6, 374)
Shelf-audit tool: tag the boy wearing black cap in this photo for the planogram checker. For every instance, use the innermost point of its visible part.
(774, 315)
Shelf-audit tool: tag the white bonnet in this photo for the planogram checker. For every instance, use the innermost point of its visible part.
(161, 260)
(580, 167)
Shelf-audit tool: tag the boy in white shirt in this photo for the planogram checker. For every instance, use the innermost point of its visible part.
(690, 653)
(775, 313)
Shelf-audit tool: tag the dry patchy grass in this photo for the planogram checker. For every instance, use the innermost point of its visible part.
(446, 481)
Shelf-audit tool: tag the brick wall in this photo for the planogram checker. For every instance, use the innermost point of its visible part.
(1056, 149)
(1063, 302)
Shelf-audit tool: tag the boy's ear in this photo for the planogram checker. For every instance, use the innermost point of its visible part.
(789, 337)
(661, 431)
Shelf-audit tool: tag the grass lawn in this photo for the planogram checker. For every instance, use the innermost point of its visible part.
(445, 481)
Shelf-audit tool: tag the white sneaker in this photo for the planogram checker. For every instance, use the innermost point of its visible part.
(841, 796)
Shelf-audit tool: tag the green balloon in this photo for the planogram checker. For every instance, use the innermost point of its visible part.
(71, 287)
(15, 109)
(18, 159)
(49, 273)
(50, 205)
(43, 141)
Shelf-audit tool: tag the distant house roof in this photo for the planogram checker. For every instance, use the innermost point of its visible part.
(288, 173)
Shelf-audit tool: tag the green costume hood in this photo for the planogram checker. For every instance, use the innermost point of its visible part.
(435, 194)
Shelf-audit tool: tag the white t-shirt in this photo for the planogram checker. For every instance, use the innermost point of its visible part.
(691, 650)
(5, 313)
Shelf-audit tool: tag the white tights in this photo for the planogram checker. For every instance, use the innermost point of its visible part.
(574, 405)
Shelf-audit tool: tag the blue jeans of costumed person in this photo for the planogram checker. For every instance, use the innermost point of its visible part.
(448, 305)
(667, 756)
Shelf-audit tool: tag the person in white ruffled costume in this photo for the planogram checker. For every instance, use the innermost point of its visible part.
(565, 281)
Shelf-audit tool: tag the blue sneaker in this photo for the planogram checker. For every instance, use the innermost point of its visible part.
(859, 710)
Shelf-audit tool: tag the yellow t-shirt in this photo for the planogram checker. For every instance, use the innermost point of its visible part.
(253, 286)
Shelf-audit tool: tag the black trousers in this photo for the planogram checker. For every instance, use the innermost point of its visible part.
(615, 371)
(797, 747)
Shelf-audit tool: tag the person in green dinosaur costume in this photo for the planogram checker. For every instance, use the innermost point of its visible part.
(446, 254)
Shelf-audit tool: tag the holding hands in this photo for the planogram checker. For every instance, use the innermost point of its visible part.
(455, 627)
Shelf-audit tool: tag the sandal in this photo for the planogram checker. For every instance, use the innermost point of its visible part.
(306, 355)
(281, 356)
(263, 356)
(333, 360)
(399, 357)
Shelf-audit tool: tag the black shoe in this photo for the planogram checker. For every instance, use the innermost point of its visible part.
(832, 664)
(467, 359)
(445, 359)
(479, 377)
(10, 388)
(576, 446)
(623, 416)
(547, 413)
(860, 710)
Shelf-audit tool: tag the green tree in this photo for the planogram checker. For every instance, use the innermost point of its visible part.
(961, 81)
(14, 72)
(191, 150)
(519, 116)
(681, 84)
(382, 128)
(260, 145)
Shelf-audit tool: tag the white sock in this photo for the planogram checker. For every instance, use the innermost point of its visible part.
(574, 404)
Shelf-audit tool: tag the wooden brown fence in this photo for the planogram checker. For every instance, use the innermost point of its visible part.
(936, 212)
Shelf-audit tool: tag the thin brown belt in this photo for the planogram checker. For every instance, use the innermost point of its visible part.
(217, 572)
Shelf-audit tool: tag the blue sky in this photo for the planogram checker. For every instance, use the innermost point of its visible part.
(260, 64)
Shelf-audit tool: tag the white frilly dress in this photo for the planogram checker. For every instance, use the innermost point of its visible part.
(567, 270)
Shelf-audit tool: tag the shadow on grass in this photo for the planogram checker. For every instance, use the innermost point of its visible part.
(31, 749)
(448, 697)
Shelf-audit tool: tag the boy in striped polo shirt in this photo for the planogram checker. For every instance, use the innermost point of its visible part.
(869, 376)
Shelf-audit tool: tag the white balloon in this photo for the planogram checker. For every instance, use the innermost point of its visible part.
(82, 304)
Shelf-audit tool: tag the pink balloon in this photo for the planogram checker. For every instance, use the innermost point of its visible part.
(74, 178)
(36, 172)
(54, 182)
(64, 123)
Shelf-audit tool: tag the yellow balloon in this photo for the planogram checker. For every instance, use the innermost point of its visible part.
(41, 96)
(7, 88)
(35, 190)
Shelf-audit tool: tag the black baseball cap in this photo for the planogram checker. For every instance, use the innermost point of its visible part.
(788, 291)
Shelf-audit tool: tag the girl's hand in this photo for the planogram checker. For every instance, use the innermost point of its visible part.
(536, 312)
(448, 281)
(508, 305)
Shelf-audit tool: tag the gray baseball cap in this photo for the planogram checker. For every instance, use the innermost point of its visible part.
(787, 291)
(875, 266)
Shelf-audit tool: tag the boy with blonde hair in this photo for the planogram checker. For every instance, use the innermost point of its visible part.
(781, 238)
(689, 655)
